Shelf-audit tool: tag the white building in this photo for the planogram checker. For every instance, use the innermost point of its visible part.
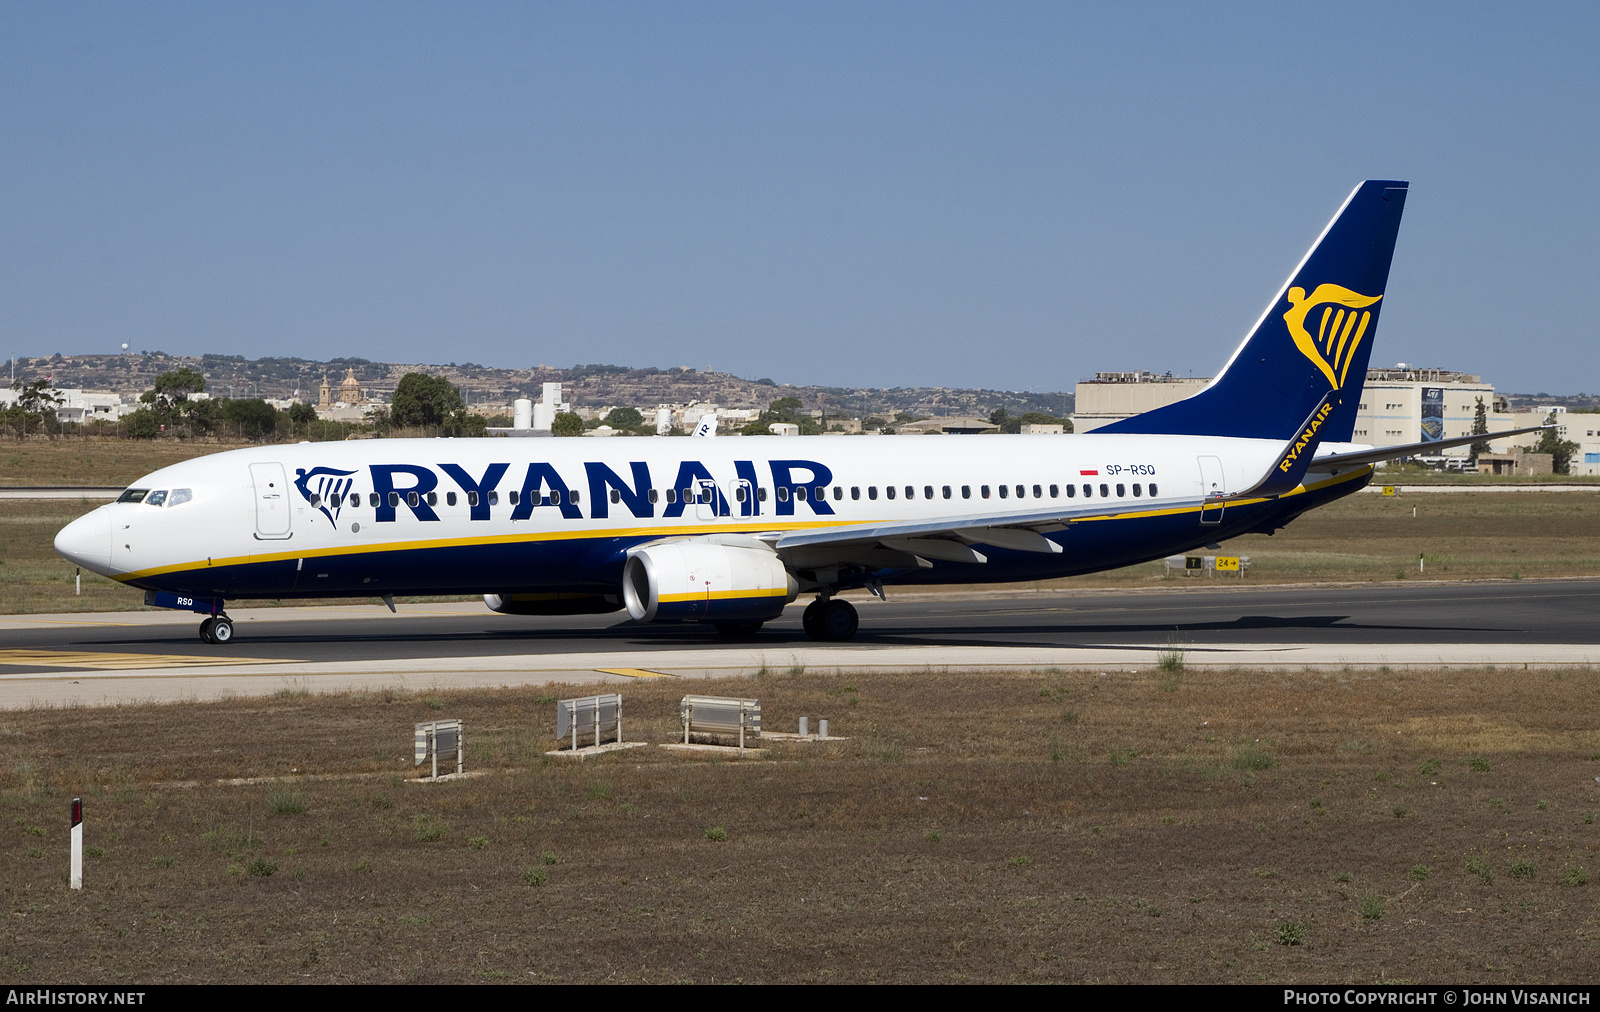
(1582, 427)
(1398, 405)
(1111, 396)
(550, 404)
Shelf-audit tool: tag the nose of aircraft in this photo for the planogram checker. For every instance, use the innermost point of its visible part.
(86, 542)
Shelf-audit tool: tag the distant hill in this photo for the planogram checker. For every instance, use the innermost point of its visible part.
(585, 385)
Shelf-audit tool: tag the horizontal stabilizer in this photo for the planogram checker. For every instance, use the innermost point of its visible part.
(1383, 453)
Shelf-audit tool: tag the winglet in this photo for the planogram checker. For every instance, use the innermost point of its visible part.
(707, 426)
(1289, 470)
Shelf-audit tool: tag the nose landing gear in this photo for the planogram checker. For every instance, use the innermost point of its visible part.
(830, 619)
(218, 630)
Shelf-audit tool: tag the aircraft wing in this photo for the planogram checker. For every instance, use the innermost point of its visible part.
(950, 538)
(1412, 449)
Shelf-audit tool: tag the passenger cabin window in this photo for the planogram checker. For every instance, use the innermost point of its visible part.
(494, 497)
(966, 491)
(1105, 490)
(1136, 490)
(133, 495)
(1005, 490)
(1121, 490)
(800, 494)
(838, 492)
(855, 491)
(1153, 491)
(946, 491)
(872, 491)
(1072, 490)
(572, 496)
(180, 496)
(394, 499)
(1055, 491)
(672, 495)
(372, 499)
(1088, 491)
(616, 496)
(1022, 492)
(513, 496)
(984, 490)
(472, 498)
(1038, 493)
(911, 492)
(761, 495)
(156, 498)
(888, 490)
(783, 493)
(411, 499)
(449, 498)
(433, 498)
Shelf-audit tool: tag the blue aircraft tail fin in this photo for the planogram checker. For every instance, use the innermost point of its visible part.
(1315, 337)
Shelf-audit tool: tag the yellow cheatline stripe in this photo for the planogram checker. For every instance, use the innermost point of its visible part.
(634, 673)
(594, 534)
(119, 662)
(721, 595)
(659, 532)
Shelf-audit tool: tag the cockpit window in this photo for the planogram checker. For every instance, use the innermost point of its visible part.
(180, 496)
(133, 495)
(156, 498)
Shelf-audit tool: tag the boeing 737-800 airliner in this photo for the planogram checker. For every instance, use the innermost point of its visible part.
(730, 530)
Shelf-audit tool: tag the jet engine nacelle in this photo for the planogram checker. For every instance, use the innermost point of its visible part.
(700, 580)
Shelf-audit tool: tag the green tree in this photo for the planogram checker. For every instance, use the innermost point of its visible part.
(1560, 450)
(425, 401)
(36, 398)
(302, 413)
(624, 418)
(1480, 427)
(784, 409)
(172, 389)
(250, 417)
(566, 424)
(142, 424)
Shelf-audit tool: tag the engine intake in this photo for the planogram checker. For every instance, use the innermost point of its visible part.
(701, 581)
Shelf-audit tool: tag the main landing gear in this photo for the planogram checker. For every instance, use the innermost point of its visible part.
(217, 629)
(830, 619)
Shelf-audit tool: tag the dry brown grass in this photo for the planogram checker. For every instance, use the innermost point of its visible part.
(91, 461)
(1055, 826)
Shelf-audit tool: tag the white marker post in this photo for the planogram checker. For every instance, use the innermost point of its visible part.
(77, 843)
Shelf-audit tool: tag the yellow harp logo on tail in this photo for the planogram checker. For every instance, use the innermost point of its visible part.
(1342, 325)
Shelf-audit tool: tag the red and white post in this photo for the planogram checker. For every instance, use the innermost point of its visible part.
(77, 843)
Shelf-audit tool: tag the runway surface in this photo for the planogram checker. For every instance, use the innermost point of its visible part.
(94, 658)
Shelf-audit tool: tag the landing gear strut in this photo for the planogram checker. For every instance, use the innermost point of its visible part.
(218, 629)
(830, 619)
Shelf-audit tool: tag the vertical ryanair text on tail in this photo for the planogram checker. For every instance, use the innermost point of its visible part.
(730, 530)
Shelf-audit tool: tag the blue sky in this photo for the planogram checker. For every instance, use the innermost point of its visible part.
(998, 195)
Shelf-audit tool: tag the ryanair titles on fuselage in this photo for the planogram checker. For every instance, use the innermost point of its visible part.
(416, 487)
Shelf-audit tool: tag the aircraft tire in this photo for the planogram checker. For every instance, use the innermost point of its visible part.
(222, 630)
(205, 630)
(838, 621)
(811, 618)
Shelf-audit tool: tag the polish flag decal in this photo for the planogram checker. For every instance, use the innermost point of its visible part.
(1088, 472)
